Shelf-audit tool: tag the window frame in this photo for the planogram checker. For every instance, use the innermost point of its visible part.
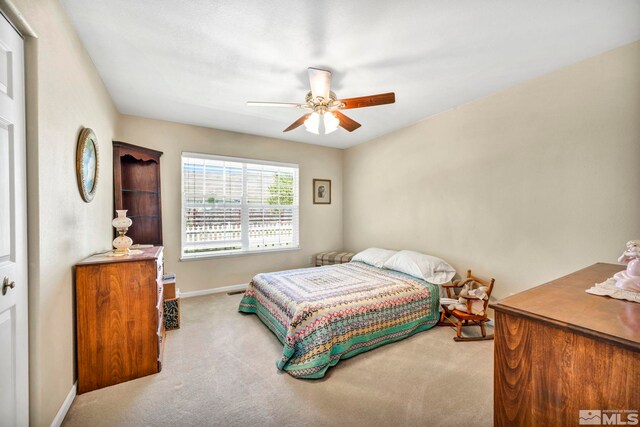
(244, 206)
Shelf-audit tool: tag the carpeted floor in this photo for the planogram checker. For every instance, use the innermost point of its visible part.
(219, 370)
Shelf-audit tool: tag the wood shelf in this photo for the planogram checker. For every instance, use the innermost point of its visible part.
(136, 184)
(128, 190)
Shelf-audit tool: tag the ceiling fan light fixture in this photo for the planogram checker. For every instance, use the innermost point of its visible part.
(331, 123)
(324, 116)
(312, 124)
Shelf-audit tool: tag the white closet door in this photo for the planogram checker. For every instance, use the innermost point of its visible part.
(14, 356)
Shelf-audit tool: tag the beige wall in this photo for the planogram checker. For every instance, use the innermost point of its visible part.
(320, 225)
(64, 94)
(525, 185)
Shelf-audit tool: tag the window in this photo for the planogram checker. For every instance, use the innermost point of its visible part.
(232, 205)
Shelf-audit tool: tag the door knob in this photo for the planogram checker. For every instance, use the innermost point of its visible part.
(6, 285)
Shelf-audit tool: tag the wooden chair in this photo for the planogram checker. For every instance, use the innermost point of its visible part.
(466, 318)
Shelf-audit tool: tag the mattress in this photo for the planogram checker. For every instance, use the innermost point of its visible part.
(324, 314)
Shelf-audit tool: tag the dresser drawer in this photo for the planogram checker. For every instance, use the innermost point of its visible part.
(161, 339)
(160, 293)
(160, 265)
(159, 271)
(160, 311)
(160, 323)
(160, 344)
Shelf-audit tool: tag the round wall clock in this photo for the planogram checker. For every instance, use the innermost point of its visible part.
(87, 164)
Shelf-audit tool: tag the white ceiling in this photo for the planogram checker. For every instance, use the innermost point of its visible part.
(199, 61)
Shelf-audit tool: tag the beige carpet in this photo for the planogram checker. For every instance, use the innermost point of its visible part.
(219, 370)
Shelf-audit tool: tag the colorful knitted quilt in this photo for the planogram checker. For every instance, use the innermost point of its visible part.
(324, 314)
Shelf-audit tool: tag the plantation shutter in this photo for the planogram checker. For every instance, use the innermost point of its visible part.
(235, 205)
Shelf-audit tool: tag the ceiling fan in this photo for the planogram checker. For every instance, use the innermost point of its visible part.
(324, 105)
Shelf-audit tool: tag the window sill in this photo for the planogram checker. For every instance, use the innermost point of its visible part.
(237, 254)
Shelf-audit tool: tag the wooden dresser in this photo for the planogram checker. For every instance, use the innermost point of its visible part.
(559, 350)
(119, 318)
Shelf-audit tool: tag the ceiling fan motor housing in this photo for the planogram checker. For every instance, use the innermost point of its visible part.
(321, 105)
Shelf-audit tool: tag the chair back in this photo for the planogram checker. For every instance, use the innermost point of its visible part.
(483, 282)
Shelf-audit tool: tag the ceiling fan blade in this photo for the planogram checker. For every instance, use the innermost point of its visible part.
(369, 101)
(320, 82)
(346, 122)
(274, 104)
(297, 123)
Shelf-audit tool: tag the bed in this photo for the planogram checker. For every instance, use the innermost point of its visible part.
(324, 314)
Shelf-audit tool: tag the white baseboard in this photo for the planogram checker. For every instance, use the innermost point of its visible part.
(62, 412)
(224, 289)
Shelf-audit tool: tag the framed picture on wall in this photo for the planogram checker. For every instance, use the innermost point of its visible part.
(321, 191)
(87, 164)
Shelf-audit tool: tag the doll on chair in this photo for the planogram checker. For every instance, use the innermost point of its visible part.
(473, 289)
(470, 309)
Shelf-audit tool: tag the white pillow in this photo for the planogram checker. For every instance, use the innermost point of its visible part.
(432, 269)
(374, 256)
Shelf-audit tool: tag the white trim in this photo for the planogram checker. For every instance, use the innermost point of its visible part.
(244, 211)
(223, 254)
(238, 159)
(244, 208)
(16, 19)
(223, 289)
(62, 412)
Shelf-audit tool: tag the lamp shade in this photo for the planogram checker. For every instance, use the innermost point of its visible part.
(312, 124)
(331, 123)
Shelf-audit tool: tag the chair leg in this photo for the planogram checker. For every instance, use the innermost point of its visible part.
(444, 318)
(482, 328)
(459, 329)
